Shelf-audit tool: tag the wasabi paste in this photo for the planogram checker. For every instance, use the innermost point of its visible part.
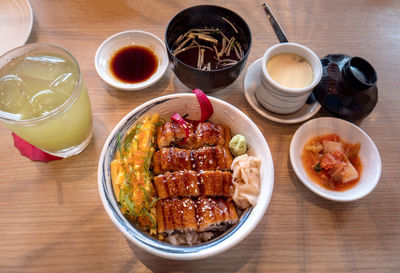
(238, 145)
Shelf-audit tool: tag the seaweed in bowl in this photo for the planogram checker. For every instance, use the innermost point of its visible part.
(207, 46)
(220, 240)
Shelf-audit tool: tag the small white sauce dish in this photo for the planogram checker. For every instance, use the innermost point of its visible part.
(349, 132)
(129, 38)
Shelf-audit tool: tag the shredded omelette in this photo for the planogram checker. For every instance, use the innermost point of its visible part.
(131, 175)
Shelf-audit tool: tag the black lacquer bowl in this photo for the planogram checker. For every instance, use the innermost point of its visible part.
(207, 16)
(348, 87)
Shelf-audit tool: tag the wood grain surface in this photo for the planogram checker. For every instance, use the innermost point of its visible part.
(51, 216)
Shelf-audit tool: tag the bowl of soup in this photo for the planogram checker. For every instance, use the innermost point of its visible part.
(207, 46)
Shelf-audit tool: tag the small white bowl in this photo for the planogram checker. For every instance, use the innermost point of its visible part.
(225, 114)
(349, 132)
(127, 38)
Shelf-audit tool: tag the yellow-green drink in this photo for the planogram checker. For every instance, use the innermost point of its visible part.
(43, 99)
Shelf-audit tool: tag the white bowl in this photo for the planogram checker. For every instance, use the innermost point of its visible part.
(225, 114)
(349, 132)
(127, 38)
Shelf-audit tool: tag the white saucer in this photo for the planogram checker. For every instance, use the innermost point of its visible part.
(249, 85)
(16, 19)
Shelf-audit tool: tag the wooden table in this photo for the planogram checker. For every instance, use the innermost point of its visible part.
(51, 216)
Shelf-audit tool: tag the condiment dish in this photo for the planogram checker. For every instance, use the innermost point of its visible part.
(349, 132)
(224, 114)
(130, 38)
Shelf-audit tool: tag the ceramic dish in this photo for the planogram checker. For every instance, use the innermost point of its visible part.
(347, 131)
(281, 99)
(127, 38)
(238, 123)
(250, 82)
(16, 19)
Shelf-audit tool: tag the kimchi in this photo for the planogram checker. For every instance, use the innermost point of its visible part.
(332, 162)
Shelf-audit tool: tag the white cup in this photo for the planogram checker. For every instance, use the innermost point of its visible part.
(280, 99)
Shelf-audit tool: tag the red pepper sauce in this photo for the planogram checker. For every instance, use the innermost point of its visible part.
(310, 159)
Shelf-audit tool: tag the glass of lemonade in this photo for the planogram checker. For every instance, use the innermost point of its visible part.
(44, 100)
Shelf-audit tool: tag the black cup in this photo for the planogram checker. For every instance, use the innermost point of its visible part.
(207, 16)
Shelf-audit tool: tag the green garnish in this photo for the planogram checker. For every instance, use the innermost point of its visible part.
(151, 218)
(130, 204)
(119, 145)
(318, 168)
(153, 202)
(160, 122)
(131, 135)
(146, 194)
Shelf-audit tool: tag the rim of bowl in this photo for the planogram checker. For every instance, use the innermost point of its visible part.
(165, 250)
(306, 89)
(314, 187)
(244, 58)
(28, 34)
(132, 86)
(23, 5)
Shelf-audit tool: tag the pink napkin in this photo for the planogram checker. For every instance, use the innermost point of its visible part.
(31, 152)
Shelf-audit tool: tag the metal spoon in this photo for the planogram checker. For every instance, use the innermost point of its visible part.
(280, 34)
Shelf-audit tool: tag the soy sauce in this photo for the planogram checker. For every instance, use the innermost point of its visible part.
(133, 64)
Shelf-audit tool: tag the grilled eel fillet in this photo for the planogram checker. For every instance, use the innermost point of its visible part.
(206, 158)
(192, 184)
(200, 134)
(204, 214)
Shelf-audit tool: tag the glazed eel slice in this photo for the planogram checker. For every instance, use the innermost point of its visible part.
(192, 184)
(203, 214)
(206, 158)
(200, 134)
